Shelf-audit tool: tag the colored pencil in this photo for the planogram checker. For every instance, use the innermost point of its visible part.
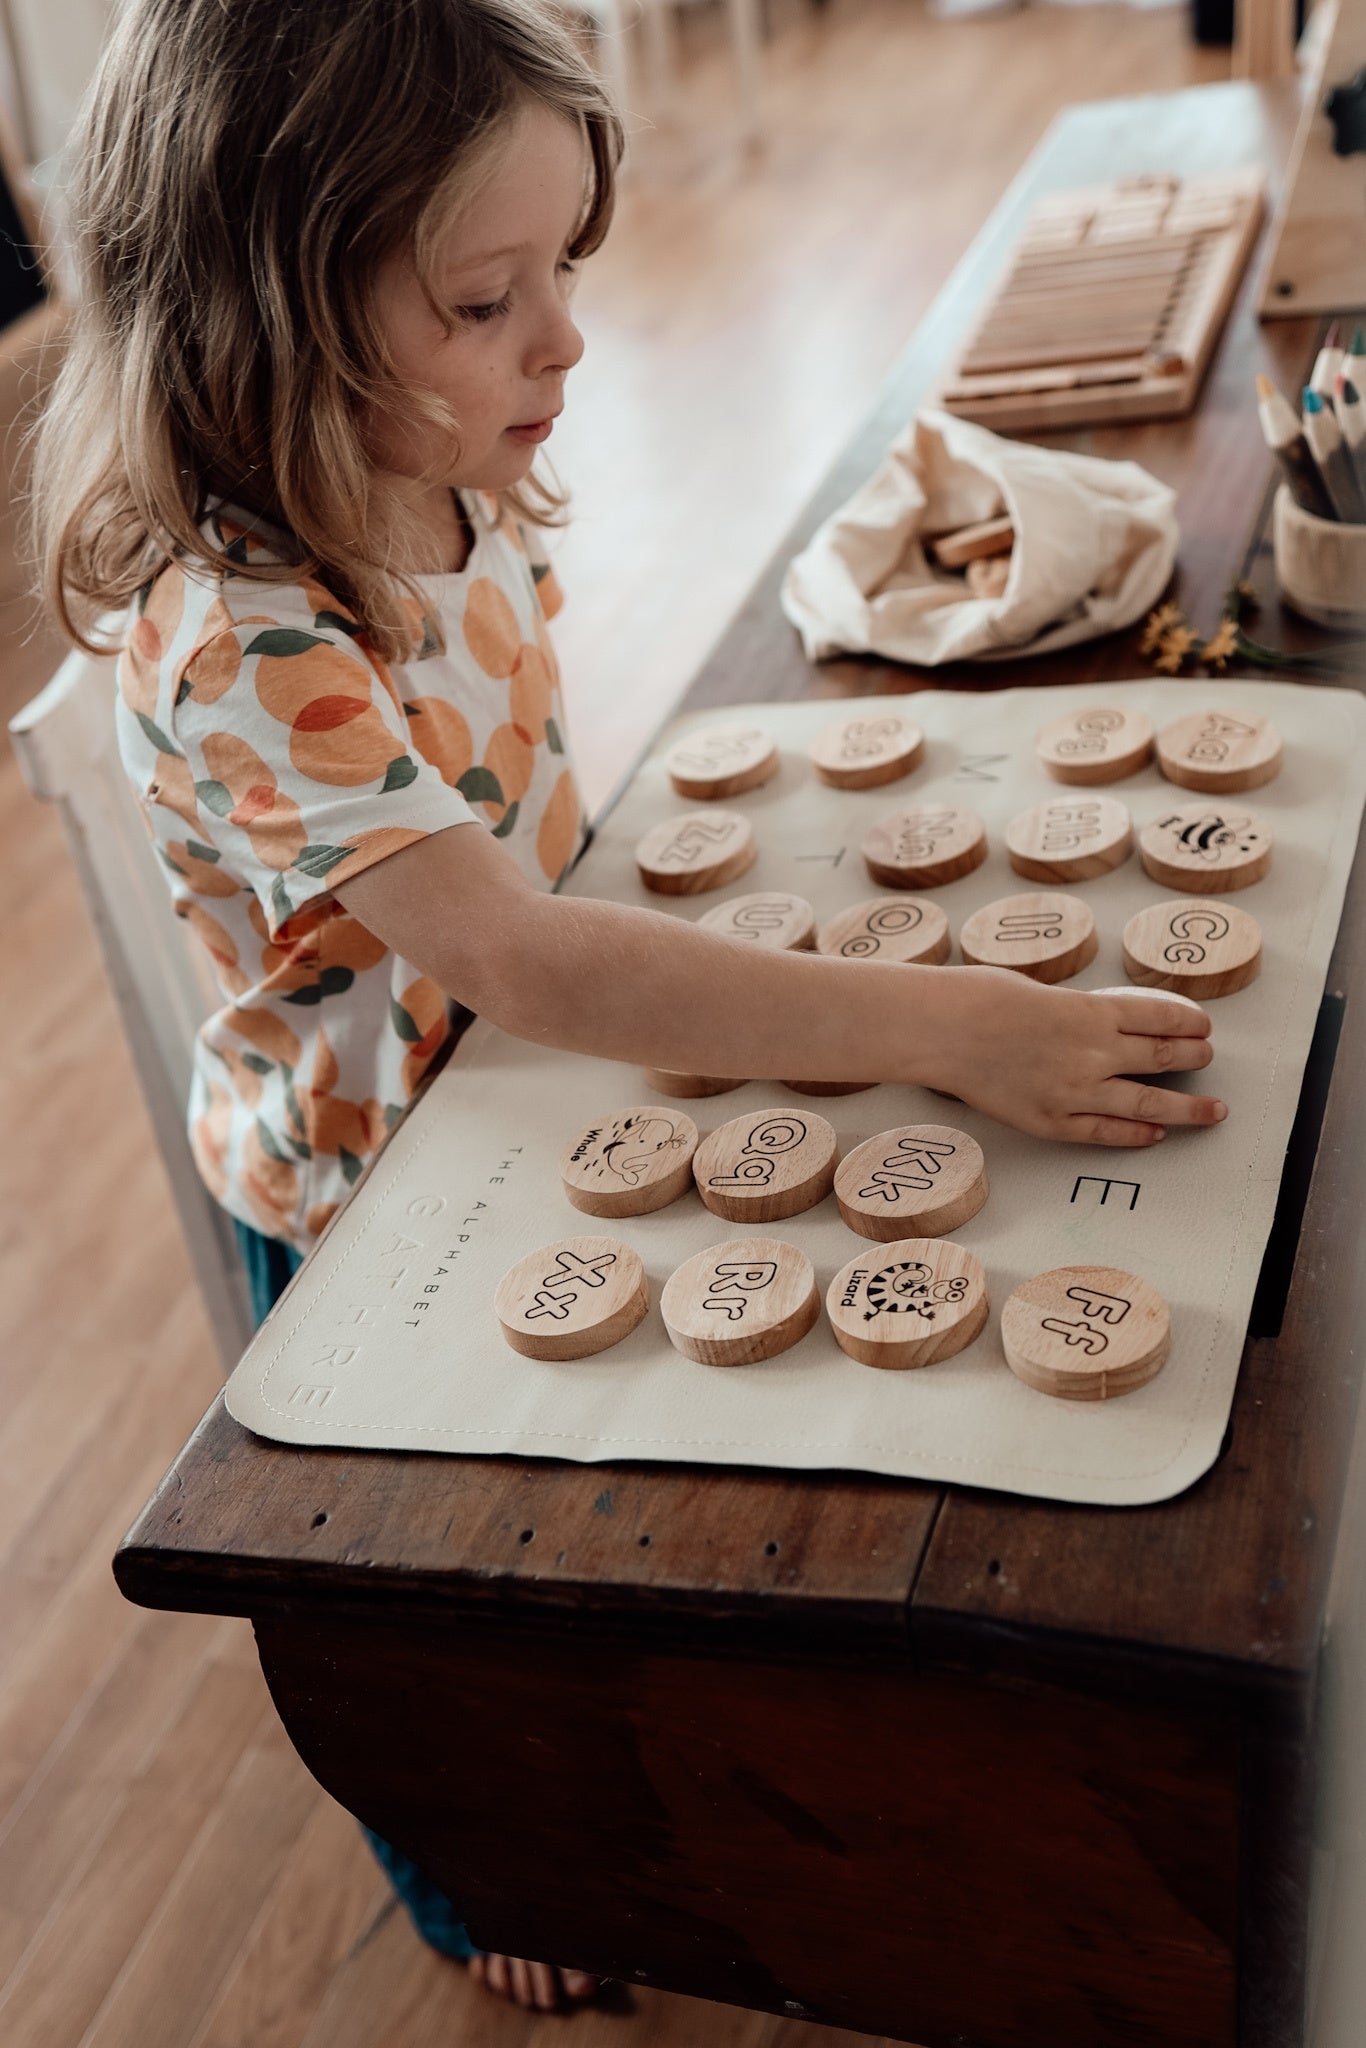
(1329, 362)
(1287, 443)
(1322, 432)
(1351, 415)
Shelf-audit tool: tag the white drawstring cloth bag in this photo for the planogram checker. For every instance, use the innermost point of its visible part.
(1095, 543)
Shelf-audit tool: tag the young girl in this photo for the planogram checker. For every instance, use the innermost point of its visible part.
(327, 249)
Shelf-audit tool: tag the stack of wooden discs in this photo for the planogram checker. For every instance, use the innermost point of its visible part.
(1086, 1333)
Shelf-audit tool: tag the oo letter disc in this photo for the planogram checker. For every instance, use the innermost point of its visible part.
(918, 1181)
(767, 1164)
(908, 1303)
(1197, 949)
(909, 930)
(572, 1298)
(740, 1302)
(630, 1163)
(1086, 1333)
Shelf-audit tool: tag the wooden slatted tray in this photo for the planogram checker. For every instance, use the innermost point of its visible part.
(1112, 304)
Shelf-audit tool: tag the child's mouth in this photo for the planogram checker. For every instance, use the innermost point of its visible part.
(535, 430)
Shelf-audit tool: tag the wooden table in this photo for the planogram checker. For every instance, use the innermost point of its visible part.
(951, 1766)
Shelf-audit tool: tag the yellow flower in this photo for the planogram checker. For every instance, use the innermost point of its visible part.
(1172, 648)
(1159, 624)
(1219, 651)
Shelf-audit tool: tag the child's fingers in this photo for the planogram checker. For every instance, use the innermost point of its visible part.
(1110, 1130)
(1158, 1105)
(1154, 1016)
(1166, 1055)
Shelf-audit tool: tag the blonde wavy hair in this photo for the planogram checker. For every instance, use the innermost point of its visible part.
(242, 168)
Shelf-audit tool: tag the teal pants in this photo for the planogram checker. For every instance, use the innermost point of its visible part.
(271, 1265)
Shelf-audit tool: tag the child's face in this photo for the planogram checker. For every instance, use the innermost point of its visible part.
(505, 276)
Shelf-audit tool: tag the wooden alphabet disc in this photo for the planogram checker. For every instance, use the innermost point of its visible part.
(1219, 752)
(1086, 1333)
(907, 930)
(988, 575)
(1210, 847)
(740, 1302)
(701, 850)
(771, 917)
(972, 543)
(1048, 937)
(766, 1164)
(1070, 839)
(722, 761)
(924, 849)
(1096, 745)
(572, 1298)
(687, 1087)
(859, 753)
(1198, 949)
(630, 1163)
(921, 1180)
(910, 1302)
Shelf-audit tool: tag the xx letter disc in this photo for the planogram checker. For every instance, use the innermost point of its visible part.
(630, 1163)
(859, 753)
(740, 1302)
(1198, 949)
(1086, 1333)
(572, 1298)
(722, 761)
(905, 929)
(908, 1303)
(1096, 745)
(919, 1181)
(1070, 839)
(1047, 937)
(1220, 752)
(701, 850)
(1210, 847)
(766, 1164)
(926, 848)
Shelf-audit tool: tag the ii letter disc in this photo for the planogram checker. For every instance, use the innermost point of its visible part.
(1048, 937)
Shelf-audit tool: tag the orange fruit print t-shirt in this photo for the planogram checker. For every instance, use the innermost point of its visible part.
(275, 755)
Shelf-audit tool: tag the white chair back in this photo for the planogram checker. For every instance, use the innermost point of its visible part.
(67, 750)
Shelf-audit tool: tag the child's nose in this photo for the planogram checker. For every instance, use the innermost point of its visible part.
(559, 345)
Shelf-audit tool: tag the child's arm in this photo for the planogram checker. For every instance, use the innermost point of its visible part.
(627, 984)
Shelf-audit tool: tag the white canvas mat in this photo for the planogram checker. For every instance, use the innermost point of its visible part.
(387, 1338)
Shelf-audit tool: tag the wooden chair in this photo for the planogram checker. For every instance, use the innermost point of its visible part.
(65, 742)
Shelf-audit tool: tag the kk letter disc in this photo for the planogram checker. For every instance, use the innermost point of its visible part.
(919, 1181)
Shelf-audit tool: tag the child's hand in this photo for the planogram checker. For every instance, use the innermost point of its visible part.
(1052, 1061)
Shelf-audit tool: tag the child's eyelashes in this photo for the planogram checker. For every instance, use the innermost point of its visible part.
(496, 308)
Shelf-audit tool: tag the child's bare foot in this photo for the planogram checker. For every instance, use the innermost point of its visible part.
(541, 1987)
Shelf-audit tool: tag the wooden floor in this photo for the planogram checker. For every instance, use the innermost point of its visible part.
(169, 1875)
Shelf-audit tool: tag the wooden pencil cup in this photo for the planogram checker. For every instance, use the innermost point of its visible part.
(1320, 564)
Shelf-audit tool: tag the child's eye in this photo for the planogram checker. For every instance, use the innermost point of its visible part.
(489, 312)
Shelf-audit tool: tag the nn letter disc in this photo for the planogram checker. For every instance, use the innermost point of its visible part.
(908, 1303)
(572, 1298)
(701, 850)
(859, 753)
(630, 1163)
(1070, 839)
(1086, 1333)
(1211, 847)
(1096, 745)
(908, 930)
(1197, 949)
(1218, 752)
(766, 1164)
(924, 849)
(1048, 937)
(921, 1180)
(740, 1302)
(722, 761)
(771, 917)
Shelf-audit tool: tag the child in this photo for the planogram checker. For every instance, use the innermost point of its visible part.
(327, 248)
